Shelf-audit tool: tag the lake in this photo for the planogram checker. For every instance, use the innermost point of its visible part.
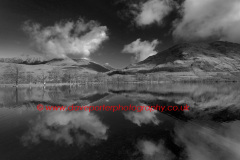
(209, 130)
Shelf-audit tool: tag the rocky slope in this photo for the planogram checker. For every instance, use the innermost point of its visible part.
(213, 61)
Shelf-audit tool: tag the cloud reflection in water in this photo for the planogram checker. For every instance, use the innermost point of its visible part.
(154, 151)
(214, 142)
(68, 127)
(143, 117)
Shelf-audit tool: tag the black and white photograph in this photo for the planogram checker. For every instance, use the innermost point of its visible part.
(119, 79)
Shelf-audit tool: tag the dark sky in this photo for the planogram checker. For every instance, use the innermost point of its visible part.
(121, 30)
(117, 16)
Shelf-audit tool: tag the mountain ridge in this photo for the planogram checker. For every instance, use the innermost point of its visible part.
(215, 61)
(63, 62)
(190, 61)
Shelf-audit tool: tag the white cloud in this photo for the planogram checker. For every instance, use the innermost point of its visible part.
(76, 38)
(141, 49)
(205, 19)
(152, 11)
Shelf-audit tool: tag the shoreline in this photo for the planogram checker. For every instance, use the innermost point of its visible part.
(103, 83)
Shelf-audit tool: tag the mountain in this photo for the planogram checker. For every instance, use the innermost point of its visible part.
(33, 69)
(108, 66)
(29, 60)
(192, 61)
(63, 63)
(85, 63)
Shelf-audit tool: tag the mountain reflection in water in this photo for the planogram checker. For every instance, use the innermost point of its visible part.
(209, 131)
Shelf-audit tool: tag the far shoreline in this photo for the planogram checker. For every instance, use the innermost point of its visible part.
(105, 83)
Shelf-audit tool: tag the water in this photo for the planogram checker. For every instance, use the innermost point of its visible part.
(208, 131)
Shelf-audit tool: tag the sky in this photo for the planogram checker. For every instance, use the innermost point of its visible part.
(117, 32)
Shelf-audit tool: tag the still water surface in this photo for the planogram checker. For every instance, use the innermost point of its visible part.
(209, 131)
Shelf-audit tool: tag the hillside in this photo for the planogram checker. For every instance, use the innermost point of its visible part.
(33, 69)
(197, 61)
(65, 63)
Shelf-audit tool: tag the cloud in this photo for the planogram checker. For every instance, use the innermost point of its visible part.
(67, 38)
(141, 49)
(209, 19)
(152, 11)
